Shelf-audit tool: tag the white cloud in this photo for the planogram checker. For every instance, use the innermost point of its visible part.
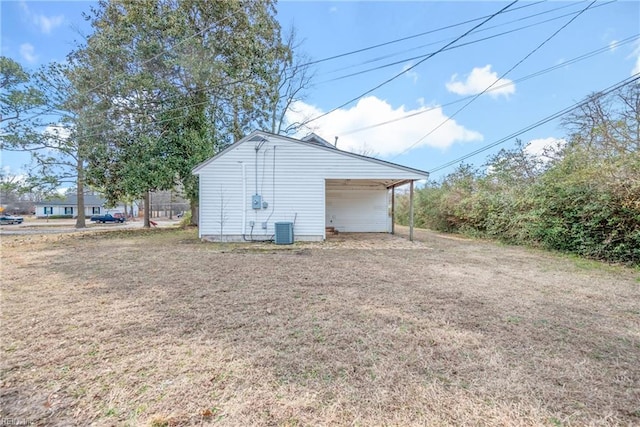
(480, 79)
(545, 148)
(333, 9)
(45, 23)
(413, 75)
(27, 52)
(613, 45)
(56, 135)
(9, 175)
(387, 140)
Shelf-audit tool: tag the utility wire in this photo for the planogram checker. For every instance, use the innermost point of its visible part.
(180, 108)
(50, 110)
(390, 55)
(242, 80)
(555, 33)
(582, 57)
(401, 61)
(539, 123)
(413, 36)
(413, 66)
(207, 90)
(574, 60)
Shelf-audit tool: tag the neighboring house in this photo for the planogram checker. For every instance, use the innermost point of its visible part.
(264, 179)
(93, 205)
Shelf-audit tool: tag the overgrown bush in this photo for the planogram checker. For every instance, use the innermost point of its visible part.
(186, 220)
(583, 198)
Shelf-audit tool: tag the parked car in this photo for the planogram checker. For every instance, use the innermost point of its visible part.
(106, 218)
(119, 215)
(10, 219)
(17, 219)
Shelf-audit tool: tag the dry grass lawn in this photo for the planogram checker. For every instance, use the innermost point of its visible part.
(156, 328)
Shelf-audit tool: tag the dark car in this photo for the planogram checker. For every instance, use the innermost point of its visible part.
(106, 218)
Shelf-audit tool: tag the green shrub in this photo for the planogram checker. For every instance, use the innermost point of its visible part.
(186, 220)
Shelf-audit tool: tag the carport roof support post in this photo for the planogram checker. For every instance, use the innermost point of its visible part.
(411, 211)
(393, 210)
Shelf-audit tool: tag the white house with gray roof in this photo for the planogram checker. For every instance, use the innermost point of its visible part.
(68, 206)
(266, 179)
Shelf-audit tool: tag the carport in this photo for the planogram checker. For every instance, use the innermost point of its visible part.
(364, 205)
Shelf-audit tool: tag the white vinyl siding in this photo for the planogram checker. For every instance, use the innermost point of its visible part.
(301, 171)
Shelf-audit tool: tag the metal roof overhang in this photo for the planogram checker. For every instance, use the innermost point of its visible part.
(386, 183)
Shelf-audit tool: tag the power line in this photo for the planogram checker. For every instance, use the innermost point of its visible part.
(461, 100)
(555, 33)
(368, 48)
(390, 55)
(401, 61)
(50, 110)
(582, 57)
(421, 56)
(413, 36)
(380, 85)
(463, 44)
(413, 66)
(539, 123)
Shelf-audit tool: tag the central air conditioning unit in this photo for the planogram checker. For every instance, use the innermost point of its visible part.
(284, 233)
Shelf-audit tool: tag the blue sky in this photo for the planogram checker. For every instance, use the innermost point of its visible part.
(35, 33)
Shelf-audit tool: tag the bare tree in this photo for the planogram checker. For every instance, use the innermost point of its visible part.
(608, 123)
(294, 79)
(365, 150)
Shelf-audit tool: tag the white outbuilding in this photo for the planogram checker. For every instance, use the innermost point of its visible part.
(273, 187)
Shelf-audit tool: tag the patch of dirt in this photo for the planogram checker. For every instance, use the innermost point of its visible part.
(158, 328)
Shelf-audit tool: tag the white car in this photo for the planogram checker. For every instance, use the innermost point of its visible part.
(10, 219)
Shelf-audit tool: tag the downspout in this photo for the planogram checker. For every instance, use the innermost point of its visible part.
(244, 199)
(273, 185)
(199, 211)
(256, 164)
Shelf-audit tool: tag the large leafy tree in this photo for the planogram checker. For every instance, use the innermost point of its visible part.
(173, 83)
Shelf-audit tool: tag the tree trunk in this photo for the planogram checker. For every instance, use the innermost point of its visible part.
(147, 210)
(80, 221)
(194, 212)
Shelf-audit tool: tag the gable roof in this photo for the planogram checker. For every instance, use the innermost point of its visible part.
(72, 200)
(312, 137)
(313, 140)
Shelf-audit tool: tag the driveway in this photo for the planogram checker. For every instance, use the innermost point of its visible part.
(63, 226)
